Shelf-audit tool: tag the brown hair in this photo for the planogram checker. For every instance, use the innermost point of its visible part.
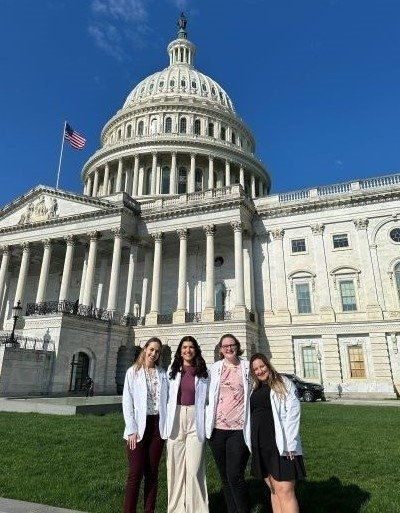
(239, 350)
(274, 380)
(140, 360)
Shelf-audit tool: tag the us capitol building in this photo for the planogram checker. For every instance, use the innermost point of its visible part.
(176, 233)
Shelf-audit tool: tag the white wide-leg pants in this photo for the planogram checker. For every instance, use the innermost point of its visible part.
(187, 488)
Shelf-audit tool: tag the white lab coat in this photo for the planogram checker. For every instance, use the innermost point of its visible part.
(286, 414)
(134, 401)
(201, 386)
(213, 395)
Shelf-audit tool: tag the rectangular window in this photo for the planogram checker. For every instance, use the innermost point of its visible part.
(348, 296)
(303, 298)
(356, 360)
(310, 367)
(298, 245)
(340, 241)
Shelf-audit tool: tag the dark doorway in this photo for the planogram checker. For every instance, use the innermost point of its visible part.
(79, 371)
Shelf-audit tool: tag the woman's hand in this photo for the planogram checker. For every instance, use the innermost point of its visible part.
(290, 455)
(132, 441)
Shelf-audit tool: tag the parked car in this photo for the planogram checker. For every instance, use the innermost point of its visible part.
(309, 392)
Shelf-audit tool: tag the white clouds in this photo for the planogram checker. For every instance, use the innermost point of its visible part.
(114, 24)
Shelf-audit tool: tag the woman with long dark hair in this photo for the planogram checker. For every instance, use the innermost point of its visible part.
(228, 421)
(275, 439)
(188, 383)
(144, 404)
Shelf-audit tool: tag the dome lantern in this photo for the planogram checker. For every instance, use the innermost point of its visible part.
(181, 50)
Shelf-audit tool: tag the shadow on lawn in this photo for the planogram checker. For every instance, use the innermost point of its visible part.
(330, 496)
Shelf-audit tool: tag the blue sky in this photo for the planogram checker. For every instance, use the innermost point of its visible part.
(316, 80)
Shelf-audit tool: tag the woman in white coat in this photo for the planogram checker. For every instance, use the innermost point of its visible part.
(228, 421)
(275, 439)
(144, 404)
(188, 383)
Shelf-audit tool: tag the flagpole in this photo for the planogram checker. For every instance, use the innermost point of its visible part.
(61, 152)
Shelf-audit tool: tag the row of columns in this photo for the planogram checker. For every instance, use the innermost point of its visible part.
(135, 178)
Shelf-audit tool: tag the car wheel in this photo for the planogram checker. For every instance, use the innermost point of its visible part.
(308, 396)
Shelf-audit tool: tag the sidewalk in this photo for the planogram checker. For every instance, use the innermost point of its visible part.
(13, 506)
(363, 402)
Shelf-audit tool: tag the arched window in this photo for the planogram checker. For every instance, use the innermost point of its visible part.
(182, 180)
(223, 133)
(153, 126)
(119, 134)
(165, 173)
(182, 126)
(397, 276)
(168, 125)
(233, 138)
(197, 127)
(211, 129)
(129, 131)
(198, 179)
(140, 128)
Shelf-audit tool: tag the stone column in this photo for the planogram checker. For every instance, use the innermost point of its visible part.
(248, 271)
(115, 269)
(209, 311)
(152, 317)
(227, 173)
(180, 313)
(377, 273)
(240, 308)
(148, 261)
(23, 273)
(241, 176)
(106, 179)
(4, 269)
(282, 314)
(118, 185)
(102, 280)
(260, 188)
(44, 272)
(172, 182)
(153, 173)
(135, 177)
(192, 173)
(253, 185)
(95, 183)
(325, 308)
(210, 172)
(133, 251)
(89, 186)
(374, 311)
(141, 181)
(90, 269)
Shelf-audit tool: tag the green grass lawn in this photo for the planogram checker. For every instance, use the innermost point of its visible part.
(352, 456)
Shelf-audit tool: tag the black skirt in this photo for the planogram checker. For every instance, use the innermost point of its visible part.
(266, 459)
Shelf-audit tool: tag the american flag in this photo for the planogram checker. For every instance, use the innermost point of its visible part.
(76, 140)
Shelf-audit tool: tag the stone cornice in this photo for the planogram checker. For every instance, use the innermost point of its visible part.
(270, 211)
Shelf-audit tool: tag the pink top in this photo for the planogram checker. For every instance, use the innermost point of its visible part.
(187, 386)
(230, 407)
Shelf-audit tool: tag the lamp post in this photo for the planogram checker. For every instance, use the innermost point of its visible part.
(319, 358)
(16, 311)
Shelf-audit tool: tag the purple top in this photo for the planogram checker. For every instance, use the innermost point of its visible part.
(186, 390)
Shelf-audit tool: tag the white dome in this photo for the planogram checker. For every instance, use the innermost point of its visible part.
(182, 80)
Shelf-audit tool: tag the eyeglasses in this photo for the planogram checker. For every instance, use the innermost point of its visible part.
(229, 346)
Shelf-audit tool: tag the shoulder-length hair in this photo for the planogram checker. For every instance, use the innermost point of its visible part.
(140, 360)
(239, 350)
(274, 380)
(199, 363)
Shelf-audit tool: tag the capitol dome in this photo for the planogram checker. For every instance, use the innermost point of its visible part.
(176, 133)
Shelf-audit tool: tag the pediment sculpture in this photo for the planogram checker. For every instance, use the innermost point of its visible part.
(41, 210)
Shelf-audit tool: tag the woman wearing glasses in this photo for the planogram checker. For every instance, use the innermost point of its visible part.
(228, 421)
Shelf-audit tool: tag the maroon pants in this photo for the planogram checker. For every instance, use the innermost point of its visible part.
(144, 461)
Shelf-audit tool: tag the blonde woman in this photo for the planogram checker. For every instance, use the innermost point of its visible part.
(144, 404)
(275, 439)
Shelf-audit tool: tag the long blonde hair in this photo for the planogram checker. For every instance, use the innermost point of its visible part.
(274, 380)
(139, 363)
